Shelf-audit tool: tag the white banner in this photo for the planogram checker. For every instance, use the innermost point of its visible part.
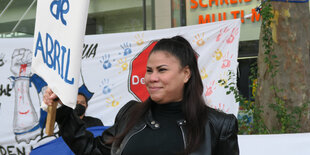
(275, 144)
(112, 69)
(59, 36)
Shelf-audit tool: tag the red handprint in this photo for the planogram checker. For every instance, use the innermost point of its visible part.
(225, 30)
(226, 61)
(221, 107)
(231, 38)
(210, 89)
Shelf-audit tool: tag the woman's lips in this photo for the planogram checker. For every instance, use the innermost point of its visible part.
(154, 88)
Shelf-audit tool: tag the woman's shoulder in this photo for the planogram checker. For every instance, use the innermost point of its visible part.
(218, 115)
(126, 107)
(225, 124)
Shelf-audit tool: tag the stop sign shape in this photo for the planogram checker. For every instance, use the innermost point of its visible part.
(136, 76)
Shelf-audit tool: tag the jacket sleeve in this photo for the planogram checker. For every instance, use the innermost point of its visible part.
(228, 140)
(81, 141)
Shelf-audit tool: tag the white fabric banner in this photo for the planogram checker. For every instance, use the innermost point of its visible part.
(275, 144)
(112, 69)
(58, 42)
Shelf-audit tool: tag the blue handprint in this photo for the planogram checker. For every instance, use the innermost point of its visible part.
(106, 89)
(105, 60)
(127, 48)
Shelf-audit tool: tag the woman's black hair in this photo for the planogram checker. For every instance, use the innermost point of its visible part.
(84, 97)
(194, 106)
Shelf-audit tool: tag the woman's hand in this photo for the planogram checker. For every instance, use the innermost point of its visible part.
(49, 97)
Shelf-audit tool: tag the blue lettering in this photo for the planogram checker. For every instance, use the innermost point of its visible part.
(56, 56)
(49, 51)
(39, 46)
(67, 69)
(60, 11)
(62, 60)
(55, 3)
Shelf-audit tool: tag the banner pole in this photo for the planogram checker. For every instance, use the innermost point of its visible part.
(50, 120)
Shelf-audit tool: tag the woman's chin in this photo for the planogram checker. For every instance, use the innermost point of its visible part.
(155, 98)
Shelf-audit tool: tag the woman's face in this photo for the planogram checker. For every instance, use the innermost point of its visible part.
(165, 78)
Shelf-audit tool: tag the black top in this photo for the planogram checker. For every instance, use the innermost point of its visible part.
(166, 139)
(220, 133)
(91, 121)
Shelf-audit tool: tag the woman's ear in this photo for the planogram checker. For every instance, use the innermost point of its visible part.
(187, 73)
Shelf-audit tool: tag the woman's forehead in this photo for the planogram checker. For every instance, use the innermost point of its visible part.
(159, 58)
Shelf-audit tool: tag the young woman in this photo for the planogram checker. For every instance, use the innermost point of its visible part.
(174, 120)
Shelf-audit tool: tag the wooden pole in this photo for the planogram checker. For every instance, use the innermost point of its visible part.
(50, 120)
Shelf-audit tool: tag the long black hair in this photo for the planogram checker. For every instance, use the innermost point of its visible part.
(194, 106)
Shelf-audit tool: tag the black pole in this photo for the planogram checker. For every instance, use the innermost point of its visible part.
(144, 14)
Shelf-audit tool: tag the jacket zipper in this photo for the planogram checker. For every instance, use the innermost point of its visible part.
(130, 137)
(183, 137)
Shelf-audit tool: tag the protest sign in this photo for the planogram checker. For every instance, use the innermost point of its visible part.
(58, 42)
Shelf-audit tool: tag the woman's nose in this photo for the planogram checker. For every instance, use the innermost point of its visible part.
(153, 77)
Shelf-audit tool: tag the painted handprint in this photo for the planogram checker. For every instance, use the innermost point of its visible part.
(223, 79)
(25, 122)
(232, 36)
(222, 31)
(199, 39)
(123, 64)
(127, 48)
(217, 54)
(227, 60)
(105, 86)
(106, 64)
(221, 107)
(203, 73)
(210, 88)
(139, 39)
(112, 101)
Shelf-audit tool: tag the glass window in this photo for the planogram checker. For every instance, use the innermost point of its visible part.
(17, 18)
(178, 13)
(112, 16)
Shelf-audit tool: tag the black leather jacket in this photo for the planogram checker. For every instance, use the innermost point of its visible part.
(220, 138)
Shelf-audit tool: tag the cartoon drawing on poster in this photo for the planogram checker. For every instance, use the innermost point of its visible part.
(25, 122)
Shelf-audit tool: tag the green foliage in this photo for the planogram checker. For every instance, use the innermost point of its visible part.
(250, 115)
(289, 118)
(249, 119)
(270, 58)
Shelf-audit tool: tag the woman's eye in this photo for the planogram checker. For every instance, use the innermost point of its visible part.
(149, 70)
(162, 69)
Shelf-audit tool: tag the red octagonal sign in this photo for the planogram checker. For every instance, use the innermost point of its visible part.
(137, 71)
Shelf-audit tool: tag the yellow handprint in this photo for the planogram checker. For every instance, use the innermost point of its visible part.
(123, 64)
(224, 79)
(112, 102)
(199, 39)
(204, 74)
(218, 54)
(139, 39)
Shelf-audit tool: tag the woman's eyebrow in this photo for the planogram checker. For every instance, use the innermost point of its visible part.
(161, 66)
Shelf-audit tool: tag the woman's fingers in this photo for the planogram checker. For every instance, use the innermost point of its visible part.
(49, 96)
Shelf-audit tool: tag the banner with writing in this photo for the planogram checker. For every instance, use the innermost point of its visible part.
(112, 69)
(58, 42)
